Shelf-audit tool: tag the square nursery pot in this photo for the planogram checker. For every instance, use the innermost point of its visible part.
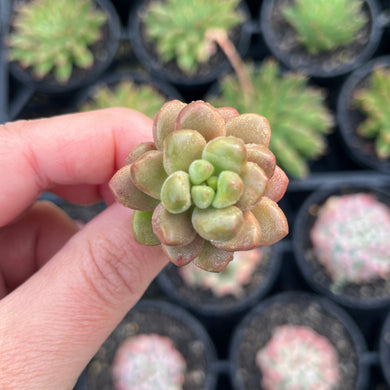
(226, 298)
(281, 39)
(355, 292)
(146, 51)
(188, 336)
(349, 117)
(163, 92)
(103, 53)
(317, 314)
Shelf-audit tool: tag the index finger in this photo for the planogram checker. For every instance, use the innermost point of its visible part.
(70, 150)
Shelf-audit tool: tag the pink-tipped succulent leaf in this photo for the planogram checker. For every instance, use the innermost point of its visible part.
(207, 187)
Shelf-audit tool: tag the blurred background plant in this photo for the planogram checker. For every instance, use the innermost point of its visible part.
(126, 93)
(180, 29)
(54, 36)
(231, 280)
(374, 102)
(324, 25)
(296, 112)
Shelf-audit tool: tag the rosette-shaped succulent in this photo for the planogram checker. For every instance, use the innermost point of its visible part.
(55, 36)
(143, 98)
(148, 362)
(297, 357)
(206, 187)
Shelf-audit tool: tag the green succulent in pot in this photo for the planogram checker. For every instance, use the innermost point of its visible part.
(325, 25)
(373, 102)
(297, 112)
(55, 36)
(179, 29)
(126, 93)
(206, 187)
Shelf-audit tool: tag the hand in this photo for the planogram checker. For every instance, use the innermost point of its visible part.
(63, 289)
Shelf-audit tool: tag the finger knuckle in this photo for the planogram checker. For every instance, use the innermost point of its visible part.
(110, 270)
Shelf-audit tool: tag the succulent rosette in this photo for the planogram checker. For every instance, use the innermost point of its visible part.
(206, 187)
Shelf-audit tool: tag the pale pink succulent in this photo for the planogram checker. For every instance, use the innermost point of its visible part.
(351, 238)
(148, 362)
(231, 280)
(298, 358)
(206, 187)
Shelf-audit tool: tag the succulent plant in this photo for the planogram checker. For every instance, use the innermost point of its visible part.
(143, 98)
(373, 102)
(350, 238)
(54, 36)
(148, 362)
(296, 112)
(231, 280)
(297, 357)
(324, 25)
(206, 187)
(179, 29)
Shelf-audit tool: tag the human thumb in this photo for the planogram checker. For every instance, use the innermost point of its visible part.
(52, 325)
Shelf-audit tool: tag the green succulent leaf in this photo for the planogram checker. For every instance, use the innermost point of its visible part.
(217, 224)
(225, 154)
(175, 192)
(181, 147)
(200, 171)
(141, 226)
(202, 117)
(173, 229)
(148, 173)
(230, 187)
(202, 196)
(213, 259)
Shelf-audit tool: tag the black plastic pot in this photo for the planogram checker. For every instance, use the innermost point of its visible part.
(280, 38)
(384, 349)
(137, 78)
(366, 296)
(349, 117)
(298, 308)
(208, 73)
(188, 335)
(104, 51)
(207, 305)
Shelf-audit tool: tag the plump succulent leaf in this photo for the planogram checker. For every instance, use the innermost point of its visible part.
(324, 25)
(179, 29)
(374, 104)
(55, 36)
(142, 228)
(296, 112)
(143, 98)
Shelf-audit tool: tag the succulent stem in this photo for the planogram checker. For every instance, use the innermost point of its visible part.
(221, 38)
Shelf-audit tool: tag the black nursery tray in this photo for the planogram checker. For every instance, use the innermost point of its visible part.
(336, 167)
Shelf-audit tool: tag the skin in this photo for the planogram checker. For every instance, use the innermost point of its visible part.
(64, 289)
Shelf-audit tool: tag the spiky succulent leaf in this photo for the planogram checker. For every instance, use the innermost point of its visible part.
(296, 112)
(207, 189)
(55, 36)
(374, 102)
(179, 29)
(143, 98)
(324, 25)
